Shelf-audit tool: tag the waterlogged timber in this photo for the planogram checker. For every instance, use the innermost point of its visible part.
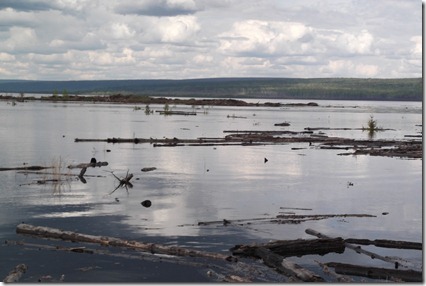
(274, 254)
(388, 148)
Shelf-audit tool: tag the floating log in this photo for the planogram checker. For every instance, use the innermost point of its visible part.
(176, 112)
(298, 247)
(389, 148)
(357, 249)
(387, 243)
(87, 165)
(153, 248)
(15, 274)
(29, 168)
(286, 267)
(376, 273)
(282, 124)
(148, 169)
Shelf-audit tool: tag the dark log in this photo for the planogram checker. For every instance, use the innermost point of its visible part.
(286, 267)
(376, 273)
(15, 274)
(87, 165)
(387, 243)
(357, 249)
(162, 112)
(29, 168)
(298, 247)
(322, 216)
(55, 233)
(148, 169)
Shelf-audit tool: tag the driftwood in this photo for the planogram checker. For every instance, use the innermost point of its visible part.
(281, 219)
(162, 112)
(29, 168)
(377, 273)
(298, 247)
(15, 274)
(389, 148)
(87, 165)
(286, 267)
(148, 169)
(387, 243)
(357, 249)
(125, 182)
(153, 248)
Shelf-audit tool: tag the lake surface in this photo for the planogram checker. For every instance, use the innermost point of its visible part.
(200, 184)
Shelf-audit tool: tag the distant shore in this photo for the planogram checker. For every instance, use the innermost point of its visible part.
(135, 99)
(393, 89)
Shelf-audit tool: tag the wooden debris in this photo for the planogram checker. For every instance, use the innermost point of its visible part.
(125, 182)
(357, 249)
(387, 243)
(376, 273)
(286, 267)
(148, 169)
(87, 165)
(282, 124)
(338, 277)
(15, 274)
(283, 219)
(389, 148)
(153, 248)
(298, 247)
(28, 168)
(162, 112)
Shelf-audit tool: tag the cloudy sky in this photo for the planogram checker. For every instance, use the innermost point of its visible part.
(176, 39)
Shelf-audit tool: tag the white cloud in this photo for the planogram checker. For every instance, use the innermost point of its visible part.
(262, 37)
(73, 39)
(418, 45)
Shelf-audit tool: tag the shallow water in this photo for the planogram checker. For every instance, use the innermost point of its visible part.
(202, 184)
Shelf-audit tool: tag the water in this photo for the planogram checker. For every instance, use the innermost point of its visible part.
(201, 184)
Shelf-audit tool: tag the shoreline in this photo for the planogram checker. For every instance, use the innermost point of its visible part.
(137, 99)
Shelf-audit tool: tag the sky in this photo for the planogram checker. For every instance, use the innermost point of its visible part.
(183, 39)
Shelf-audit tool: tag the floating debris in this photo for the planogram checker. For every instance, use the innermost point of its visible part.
(146, 203)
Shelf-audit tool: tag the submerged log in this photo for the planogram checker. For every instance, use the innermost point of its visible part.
(153, 248)
(376, 273)
(286, 267)
(298, 247)
(29, 168)
(15, 274)
(358, 249)
(87, 165)
(387, 243)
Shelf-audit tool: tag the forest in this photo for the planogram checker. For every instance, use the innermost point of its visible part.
(402, 89)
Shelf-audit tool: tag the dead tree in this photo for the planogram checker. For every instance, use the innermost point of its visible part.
(125, 182)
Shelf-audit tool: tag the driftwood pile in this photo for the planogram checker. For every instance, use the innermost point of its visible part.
(274, 254)
(390, 148)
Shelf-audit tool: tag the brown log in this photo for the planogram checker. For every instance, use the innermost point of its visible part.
(298, 247)
(286, 267)
(153, 248)
(15, 274)
(376, 273)
(357, 249)
(400, 244)
(87, 165)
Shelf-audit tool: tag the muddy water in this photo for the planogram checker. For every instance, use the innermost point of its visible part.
(200, 184)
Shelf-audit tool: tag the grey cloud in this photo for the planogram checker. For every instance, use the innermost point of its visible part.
(161, 8)
(29, 5)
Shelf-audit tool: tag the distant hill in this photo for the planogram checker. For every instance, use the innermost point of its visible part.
(409, 89)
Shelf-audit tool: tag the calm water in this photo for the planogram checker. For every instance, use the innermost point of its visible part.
(199, 184)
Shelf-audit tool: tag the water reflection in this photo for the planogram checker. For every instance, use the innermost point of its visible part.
(193, 184)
